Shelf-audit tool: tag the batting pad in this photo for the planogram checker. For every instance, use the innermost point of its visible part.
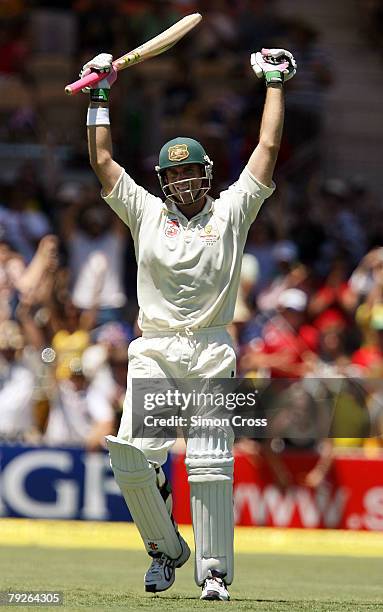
(211, 487)
(136, 478)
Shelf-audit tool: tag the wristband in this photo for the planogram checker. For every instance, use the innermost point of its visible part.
(273, 77)
(99, 95)
(98, 116)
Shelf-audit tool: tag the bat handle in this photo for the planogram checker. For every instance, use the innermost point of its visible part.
(90, 79)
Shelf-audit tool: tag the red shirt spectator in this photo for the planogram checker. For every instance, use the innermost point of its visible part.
(370, 358)
(288, 343)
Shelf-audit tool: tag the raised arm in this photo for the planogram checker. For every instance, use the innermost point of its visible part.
(100, 156)
(99, 133)
(276, 66)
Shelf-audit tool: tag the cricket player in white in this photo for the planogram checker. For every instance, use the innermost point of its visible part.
(189, 250)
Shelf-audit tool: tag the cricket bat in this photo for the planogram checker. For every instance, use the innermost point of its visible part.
(160, 43)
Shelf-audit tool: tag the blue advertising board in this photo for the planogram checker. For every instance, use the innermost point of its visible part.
(58, 483)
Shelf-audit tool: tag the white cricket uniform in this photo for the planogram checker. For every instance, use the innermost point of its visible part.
(188, 276)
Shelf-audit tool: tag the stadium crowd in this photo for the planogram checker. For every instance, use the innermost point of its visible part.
(310, 304)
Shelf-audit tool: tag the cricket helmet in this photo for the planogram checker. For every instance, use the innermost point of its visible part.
(179, 152)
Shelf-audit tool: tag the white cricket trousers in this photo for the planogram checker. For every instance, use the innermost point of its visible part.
(206, 353)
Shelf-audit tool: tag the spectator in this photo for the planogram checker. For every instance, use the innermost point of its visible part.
(16, 385)
(243, 307)
(369, 358)
(333, 353)
(367, 274)
(96, 247)
(71, 337)
(12, 268)
(22, 223)
(289, 274)
(334, 295)
(260, 243)
(300, 422)
(288, 347)
(79, 414)
(106, 364)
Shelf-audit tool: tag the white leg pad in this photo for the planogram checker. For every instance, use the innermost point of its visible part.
(136, 478)
(210, 470)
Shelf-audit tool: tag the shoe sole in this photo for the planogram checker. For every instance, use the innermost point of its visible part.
(212, 596)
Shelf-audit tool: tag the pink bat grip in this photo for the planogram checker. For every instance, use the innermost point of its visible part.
(90, 79)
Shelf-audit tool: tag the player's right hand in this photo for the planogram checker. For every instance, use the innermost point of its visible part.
(100, 63)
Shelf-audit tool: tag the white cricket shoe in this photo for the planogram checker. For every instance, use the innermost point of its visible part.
(162, 571)
(214, 587)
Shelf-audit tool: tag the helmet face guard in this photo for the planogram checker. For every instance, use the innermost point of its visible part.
(193, 188)
(180, 152)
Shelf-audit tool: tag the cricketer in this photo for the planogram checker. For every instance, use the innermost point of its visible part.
(189, 251)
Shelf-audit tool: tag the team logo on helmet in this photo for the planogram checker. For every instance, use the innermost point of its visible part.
(178, 152)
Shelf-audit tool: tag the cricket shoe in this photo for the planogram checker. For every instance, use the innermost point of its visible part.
(214, 587)
(162, 571)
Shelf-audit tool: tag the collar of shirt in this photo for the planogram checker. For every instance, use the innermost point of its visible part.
(172, 208)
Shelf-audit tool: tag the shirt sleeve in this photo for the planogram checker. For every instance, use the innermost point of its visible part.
(128, 200)
(247, 196)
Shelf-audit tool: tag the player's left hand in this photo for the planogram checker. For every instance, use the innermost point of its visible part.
(275, 65)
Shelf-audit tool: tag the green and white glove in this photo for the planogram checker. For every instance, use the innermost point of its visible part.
(101, 63)
(276, 66)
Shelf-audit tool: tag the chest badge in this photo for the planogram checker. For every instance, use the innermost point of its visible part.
(209, 235)
(172, 228)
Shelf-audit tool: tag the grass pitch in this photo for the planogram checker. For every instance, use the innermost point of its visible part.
(103, 578)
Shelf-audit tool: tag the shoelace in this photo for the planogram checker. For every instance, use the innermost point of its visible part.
(157, 564)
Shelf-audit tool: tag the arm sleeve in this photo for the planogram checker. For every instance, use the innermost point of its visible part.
(128, 200)
(247, 196)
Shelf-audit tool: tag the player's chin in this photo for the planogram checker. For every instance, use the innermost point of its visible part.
(185, 199)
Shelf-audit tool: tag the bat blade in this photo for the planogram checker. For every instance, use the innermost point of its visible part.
(159, 44)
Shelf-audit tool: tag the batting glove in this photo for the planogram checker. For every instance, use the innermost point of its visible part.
(275, 65)
(101, 63)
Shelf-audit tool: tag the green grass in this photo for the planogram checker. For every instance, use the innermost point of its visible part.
(113, 579)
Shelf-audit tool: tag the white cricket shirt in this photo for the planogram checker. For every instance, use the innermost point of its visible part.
(188, 270)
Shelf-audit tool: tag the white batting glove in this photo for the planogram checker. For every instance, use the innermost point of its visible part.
(101, 63)
(274, 65)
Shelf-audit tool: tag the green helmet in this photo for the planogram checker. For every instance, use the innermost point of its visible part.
(180, 151)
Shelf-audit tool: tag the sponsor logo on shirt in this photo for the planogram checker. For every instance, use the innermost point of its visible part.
(209, 235)
(172, 228)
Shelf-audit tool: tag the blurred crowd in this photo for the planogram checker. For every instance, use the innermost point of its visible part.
(310, 304)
